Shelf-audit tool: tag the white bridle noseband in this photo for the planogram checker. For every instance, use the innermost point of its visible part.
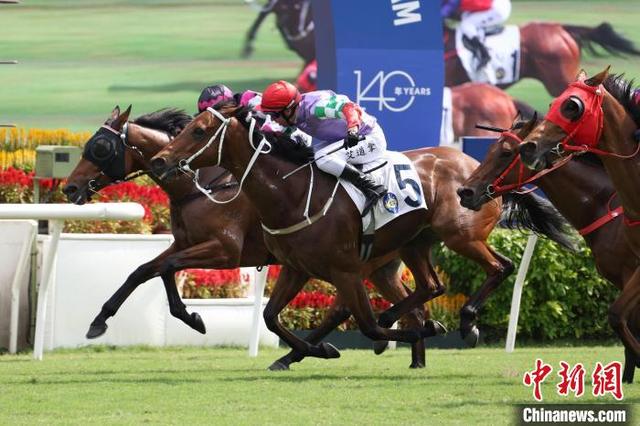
(263, 148)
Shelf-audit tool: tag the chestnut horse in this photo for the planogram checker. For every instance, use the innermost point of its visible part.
(308, 252)
(598, 115)
(206, 235)
(580, 189)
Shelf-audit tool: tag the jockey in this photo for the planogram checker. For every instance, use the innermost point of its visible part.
(476, 16)
(213, 95)
(336, 122)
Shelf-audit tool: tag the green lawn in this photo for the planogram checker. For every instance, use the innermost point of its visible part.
(78, 58)
(224, 386)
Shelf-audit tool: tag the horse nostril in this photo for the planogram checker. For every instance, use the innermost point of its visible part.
(465, 192)
(158, 166)
(70, 189)
(527, 149)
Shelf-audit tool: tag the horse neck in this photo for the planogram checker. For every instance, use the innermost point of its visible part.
(581, 192)
(617, 137)
(279, 202)
(150, 142)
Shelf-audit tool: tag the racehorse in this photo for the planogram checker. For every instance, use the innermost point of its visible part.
(598, 115)
(550, 52)
(330, 251)
(580, 189)
(295, 23)
(206, 235)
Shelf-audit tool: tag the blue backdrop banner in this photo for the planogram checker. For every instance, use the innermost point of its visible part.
(386, 55)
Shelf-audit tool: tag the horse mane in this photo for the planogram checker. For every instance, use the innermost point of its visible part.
(282, 146)
(168, 120)
(622, 90)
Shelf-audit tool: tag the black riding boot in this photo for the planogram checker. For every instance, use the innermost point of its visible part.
(479, 50)
(368, 187)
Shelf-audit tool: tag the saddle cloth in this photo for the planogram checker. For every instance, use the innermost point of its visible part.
(403, 183)
(504, 48)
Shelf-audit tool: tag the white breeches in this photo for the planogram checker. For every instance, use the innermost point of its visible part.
(472, 24)
(370, 149)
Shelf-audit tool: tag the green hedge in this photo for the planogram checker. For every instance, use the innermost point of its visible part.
(563, 297)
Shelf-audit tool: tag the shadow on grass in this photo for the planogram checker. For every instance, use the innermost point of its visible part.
(194, 86)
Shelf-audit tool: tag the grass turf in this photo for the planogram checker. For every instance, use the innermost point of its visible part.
(102, 385)
(79, 58)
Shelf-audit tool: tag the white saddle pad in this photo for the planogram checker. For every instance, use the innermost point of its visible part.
(403, 183)
(504, 49)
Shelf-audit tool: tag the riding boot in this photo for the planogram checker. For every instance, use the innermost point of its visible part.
(479, 50)
(368, 187)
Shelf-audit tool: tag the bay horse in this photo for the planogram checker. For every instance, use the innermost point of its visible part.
(331, 251)
(581, 191)
(294, 21)
(549, 52)
(206, 235)
(598, 115)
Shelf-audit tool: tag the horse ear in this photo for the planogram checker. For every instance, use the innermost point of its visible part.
(582, 75)
(115, 113)
(530, 125)
(599, 78)
(121, 119)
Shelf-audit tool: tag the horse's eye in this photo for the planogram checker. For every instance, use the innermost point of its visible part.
(505, 154)
(572, 108)
(101, 149)
(199, 133)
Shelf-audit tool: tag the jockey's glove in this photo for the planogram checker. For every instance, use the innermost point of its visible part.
(352, 139)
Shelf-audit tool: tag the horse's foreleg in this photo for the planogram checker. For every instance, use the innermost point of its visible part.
(142, 274)
(389, 283)
(620, 311)
(497, 268)
(337, 314)
(178, 308)
(251, 34)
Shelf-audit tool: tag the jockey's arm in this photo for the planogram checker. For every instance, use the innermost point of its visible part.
(339, 107)
(449, 8)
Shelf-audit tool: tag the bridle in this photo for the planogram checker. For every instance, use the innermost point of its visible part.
(263, 148)
(106, 150)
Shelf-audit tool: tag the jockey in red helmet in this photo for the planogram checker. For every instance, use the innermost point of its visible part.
(333, 120)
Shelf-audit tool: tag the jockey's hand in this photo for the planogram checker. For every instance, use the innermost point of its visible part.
(353, 138)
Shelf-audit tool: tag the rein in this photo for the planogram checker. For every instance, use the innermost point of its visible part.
(495, 188)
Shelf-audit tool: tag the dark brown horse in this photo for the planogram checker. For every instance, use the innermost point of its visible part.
(206, 235)
(295, 23)
(580, 189)
(329, 249)
(550, 53)
(598, 115)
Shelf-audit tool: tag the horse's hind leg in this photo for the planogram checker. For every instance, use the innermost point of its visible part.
(389, 283)
(497, 268)
(337, 314)
(142, 274)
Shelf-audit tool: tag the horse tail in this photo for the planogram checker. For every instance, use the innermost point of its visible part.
(526, 111)
(604, 36)
(532, 212)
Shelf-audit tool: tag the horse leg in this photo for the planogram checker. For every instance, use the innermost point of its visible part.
(253, 31)
(620, 311)
(350, 286)
(289, 283)
(427, 288)
(142, 274)
(177, 307)
(496, 266)
(388, 281)
(337, 314)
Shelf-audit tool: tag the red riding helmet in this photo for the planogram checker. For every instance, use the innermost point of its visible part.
(279, 96)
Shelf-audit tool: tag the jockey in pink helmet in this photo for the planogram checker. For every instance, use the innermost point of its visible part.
(334, 121)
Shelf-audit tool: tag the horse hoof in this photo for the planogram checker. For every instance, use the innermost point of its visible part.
(416, 364)
(96, 330)
(472, 336)
(197, 323)
(278, 366)
(329, 351)
(379, 346)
